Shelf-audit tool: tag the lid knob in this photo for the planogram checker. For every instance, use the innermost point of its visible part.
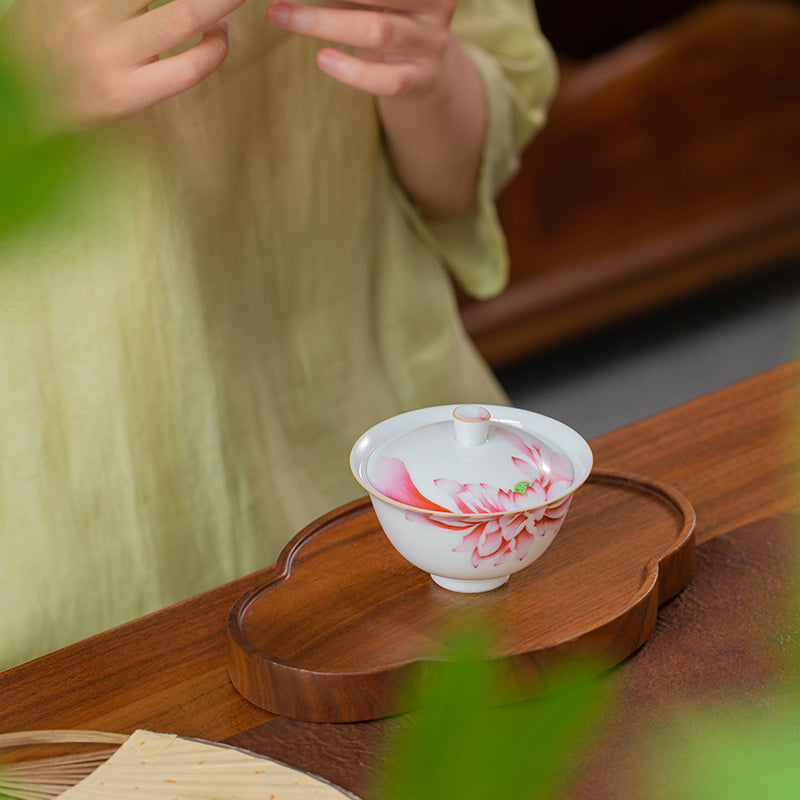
(471, 424)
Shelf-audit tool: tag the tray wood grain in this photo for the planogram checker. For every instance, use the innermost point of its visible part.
(345, 620)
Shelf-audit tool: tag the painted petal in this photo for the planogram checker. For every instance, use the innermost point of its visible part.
(495, 497)
(454, 489)
(512, 526)
(534, 523)
(473, 495)
(529, 470)
(493, 525)
(445, 523)
(558, 488)
(548, 527)
(463, 507)
(511, 437)
(507, 501)
(558, 510)
(516, 501)
(390, 477)
(469, 542)
(482, 495)
(419, 518)
(489, 543)
(516, 441)
(539, 458)
(464, 500)
(502, 557)
(535, 515)
(535, 494)
(523, 541)
(561, 468)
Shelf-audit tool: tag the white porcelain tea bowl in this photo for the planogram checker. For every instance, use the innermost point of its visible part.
(471, 494)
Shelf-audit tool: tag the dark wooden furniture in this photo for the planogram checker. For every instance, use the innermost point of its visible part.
(670, 166)
(734, 453)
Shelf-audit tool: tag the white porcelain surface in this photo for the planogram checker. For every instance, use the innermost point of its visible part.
(471, 506)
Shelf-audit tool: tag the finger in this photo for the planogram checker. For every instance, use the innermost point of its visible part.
(125, 9)
(378, 78)
(441, 10)
(162, 79)
(402, 6)
(170, 25)
(371, 30)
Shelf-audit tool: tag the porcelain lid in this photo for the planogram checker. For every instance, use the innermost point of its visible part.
(469, 463)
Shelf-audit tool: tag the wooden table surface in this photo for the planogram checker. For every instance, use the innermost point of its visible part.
(733, 453)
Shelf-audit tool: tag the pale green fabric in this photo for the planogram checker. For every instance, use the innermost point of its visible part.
(187, 357)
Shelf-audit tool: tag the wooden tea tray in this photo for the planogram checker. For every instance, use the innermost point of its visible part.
(345, 619)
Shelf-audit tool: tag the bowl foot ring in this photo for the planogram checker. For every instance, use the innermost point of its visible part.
(469, 586)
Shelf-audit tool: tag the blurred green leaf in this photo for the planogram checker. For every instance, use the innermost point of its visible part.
(462, 745)
(736, 754)
(35, 172)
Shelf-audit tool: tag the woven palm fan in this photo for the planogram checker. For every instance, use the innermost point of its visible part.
(155, 766)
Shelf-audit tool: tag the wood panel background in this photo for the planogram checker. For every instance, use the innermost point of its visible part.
(670, 165)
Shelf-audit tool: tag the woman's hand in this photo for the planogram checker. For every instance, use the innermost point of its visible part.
(429, 93)
(400, 44)
(94, 61)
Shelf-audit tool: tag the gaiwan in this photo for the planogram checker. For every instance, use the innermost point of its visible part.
(471, 494)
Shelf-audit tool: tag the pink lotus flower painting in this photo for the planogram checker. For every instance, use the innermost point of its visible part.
(519, 514)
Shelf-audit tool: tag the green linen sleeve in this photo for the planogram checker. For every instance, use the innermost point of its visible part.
(519, 74)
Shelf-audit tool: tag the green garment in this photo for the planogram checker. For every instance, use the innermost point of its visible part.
(188, 354)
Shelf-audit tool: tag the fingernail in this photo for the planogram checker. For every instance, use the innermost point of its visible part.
(328, 61)
(277, 14)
